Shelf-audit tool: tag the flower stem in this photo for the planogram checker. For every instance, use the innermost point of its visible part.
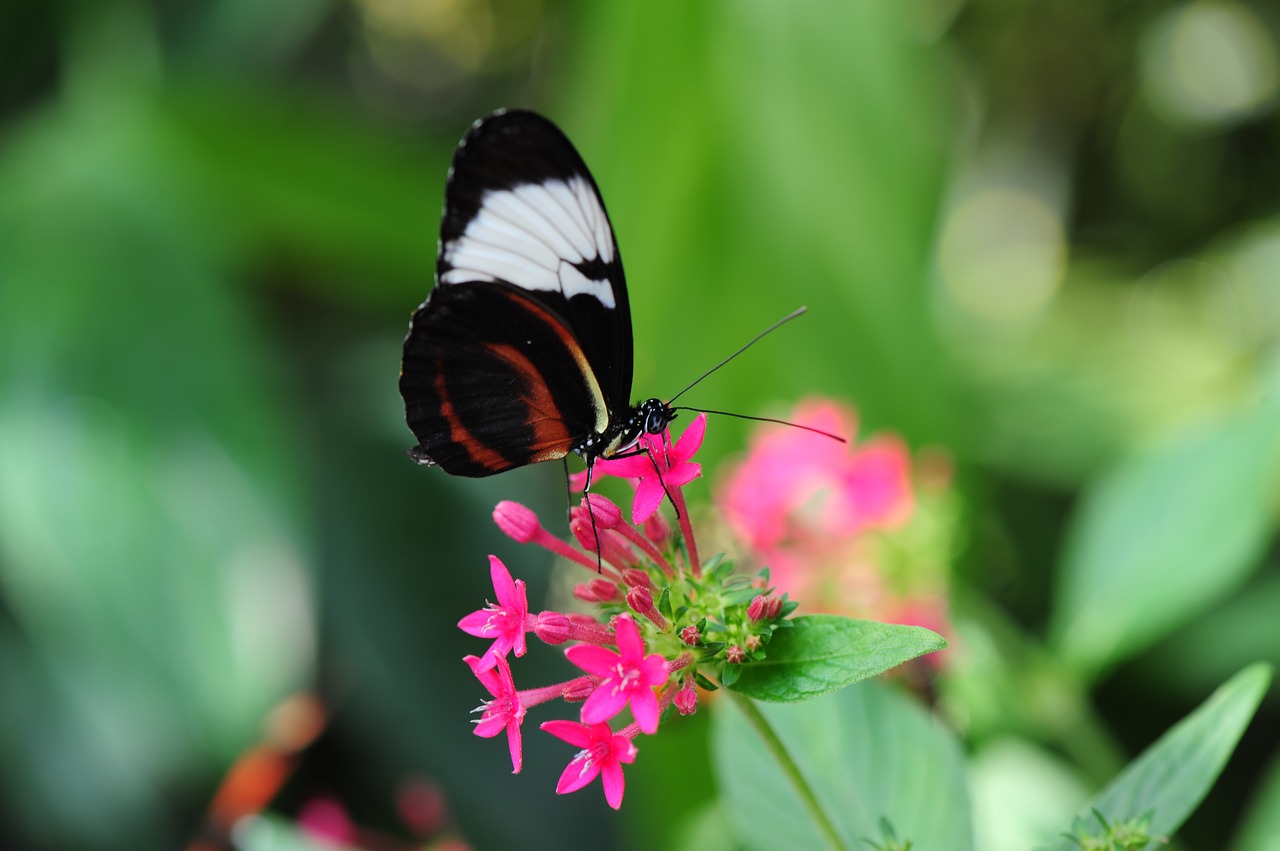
(789, 768)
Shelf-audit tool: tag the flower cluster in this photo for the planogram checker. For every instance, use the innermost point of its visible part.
(662, 622)
(860, 529)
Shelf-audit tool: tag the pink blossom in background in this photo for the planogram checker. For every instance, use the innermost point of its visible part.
(326, 820)
(838, 524)
(795, 487)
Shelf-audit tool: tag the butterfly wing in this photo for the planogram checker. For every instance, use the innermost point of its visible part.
(524, 347)
(522, 207)
(491, 381)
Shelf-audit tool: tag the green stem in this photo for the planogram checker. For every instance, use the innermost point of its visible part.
(789, 768)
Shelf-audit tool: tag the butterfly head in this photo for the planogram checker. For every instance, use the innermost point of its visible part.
(651, 416)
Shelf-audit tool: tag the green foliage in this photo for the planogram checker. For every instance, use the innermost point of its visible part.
(869, 752)
(1164, 785)
(1165, 536)
(822, 653)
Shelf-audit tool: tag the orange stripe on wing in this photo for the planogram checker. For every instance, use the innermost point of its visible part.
(549, 431)
(571, 345)
(458, 433)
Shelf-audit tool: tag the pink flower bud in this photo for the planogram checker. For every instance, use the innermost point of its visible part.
(735, 655)
(640, 600)
(605, 510)
(753, 643)
(755, 610)
(686, 700)
(690, 635)
(580, 526)
(636, 578)
(517, 521)
(603, 589)
(552, 627)
(656, 528)
(578, 689)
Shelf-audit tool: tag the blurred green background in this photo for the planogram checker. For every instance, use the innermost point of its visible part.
(1044, 237)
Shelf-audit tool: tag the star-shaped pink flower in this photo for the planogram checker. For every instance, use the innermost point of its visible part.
(627, 677)
(504, 711)
(602, 753)
(506, 621)
(674, 467)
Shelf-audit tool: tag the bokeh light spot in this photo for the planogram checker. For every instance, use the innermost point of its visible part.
(1002, 254)
(1210, 62)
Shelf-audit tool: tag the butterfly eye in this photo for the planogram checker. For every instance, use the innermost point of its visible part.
(657, 418)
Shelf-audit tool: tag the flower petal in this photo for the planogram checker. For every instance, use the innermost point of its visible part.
(614, 783)
(691, 441)
(503, 585)
(649, 494)
(580, 771)
(627, 634)
(572, 732)
(599, 661)
(644, 708)
(604, 703)
(515, 746)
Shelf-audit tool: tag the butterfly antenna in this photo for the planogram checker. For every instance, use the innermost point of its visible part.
(767, 420)
(775, 326)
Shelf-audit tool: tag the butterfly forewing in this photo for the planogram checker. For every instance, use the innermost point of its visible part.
(523, 349)
(521, 207)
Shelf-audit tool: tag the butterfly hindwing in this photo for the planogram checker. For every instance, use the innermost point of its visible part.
(523, 350)
(493, 381)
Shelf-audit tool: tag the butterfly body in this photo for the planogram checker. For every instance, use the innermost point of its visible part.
(523, 351)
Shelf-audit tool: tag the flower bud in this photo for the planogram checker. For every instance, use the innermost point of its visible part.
(578, 689)
(764, 608)
(735, 655)
(753, 643)
(551, 627)
(690, 635)
(640, 600)
(686, 700)
(656, 528)
(585, 534)
(636, 578)
(605, 510)
(517, 521)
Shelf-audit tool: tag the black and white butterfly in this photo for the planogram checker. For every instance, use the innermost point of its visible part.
(523, 351)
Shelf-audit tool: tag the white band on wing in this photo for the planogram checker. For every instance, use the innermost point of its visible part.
(534, 236)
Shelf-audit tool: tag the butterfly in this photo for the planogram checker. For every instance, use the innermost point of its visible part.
(523, 350)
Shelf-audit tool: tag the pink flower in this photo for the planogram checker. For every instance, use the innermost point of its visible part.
(505, 622)
(664, 464)
(627, 677)
(602, 753)
(796, 488)
(504, 712)
(325, 820)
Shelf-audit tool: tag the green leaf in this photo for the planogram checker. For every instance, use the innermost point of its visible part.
(1261, 827)
(822, 653)
(1172, 776)
(868, 752)
(1165, 536)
